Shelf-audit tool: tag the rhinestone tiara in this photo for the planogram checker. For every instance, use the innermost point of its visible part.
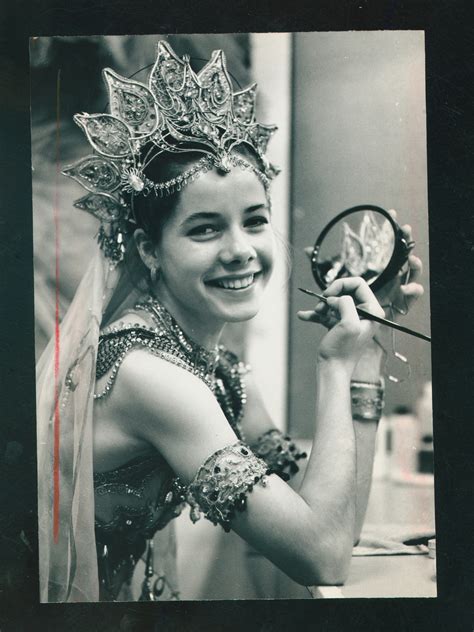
(177, 111)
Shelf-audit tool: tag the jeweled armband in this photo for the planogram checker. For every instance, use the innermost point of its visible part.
(221, 485)
(279, 452)
(367, 400)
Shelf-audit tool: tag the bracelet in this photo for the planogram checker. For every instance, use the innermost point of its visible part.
(367, 400)
(221, 486)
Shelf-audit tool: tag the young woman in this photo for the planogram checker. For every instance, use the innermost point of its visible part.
(140, 409)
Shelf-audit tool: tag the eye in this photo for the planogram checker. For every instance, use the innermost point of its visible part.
(203, 231)
(257, 221)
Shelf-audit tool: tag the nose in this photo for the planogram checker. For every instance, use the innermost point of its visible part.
(237, 249)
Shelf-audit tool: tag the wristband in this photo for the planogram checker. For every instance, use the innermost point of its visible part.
(367, 400)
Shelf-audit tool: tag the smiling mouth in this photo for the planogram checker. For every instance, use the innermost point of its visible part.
(241, 283)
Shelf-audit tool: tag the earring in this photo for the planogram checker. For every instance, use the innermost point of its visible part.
(154, 273)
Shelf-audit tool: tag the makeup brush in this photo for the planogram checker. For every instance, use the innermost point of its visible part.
(383, 321)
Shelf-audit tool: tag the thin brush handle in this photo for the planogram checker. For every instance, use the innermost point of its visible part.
(377, 319)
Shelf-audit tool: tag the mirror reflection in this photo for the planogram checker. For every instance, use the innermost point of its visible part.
(359, 244)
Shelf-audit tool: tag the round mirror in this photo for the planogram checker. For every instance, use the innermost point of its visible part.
(362, 241)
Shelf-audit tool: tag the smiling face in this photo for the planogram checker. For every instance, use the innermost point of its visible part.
(215, 253)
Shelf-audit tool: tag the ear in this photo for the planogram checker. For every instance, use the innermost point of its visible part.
(147, 249)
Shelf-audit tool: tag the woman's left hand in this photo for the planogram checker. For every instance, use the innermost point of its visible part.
(396, 296)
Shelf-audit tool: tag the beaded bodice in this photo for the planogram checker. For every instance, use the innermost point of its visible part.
(132, 502)
(133, 497)
(220, 369)
(135, 500)
(149, 497)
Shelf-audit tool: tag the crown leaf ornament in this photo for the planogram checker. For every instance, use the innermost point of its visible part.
(177, 111)
(369, 250)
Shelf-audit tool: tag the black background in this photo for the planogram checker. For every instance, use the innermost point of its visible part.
(449, 27)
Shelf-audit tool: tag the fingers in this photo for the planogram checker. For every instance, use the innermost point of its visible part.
(338, 309)
(411, 292)
(406, 228)
(309, 251)
(322, 314)
(414, 290)
(407, 232)
(347, 311)
(415, 264)
(308, 315)
(349, 285)
(360, 292)
(350, 324)
(416, 267)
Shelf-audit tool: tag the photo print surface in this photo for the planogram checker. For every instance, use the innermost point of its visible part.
(240, 206)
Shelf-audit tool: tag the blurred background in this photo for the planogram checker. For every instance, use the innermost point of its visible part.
(350, 108)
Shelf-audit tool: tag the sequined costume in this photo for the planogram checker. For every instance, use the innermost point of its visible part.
(141, 497)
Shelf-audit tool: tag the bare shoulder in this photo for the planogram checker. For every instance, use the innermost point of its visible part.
(172, 409)
(147, 380)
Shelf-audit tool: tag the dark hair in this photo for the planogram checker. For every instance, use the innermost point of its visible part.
(151, 212)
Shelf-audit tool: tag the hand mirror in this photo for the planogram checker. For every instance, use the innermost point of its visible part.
(361, 241)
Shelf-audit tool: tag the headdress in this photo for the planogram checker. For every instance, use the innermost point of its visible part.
(177, 111)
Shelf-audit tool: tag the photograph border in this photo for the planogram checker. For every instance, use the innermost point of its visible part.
(449, 54)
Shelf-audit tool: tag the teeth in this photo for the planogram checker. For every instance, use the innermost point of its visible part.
(236, 284)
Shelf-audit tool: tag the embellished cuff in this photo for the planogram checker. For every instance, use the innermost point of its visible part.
(221, 485)
(367, 400)
(279, 452)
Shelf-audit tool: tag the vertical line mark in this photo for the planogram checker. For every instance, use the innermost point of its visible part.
(56, 328)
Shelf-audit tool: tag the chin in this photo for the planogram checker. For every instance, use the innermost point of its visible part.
(240, 315)
(236, 311)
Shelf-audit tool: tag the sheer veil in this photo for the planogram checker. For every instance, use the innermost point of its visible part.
(65, 389)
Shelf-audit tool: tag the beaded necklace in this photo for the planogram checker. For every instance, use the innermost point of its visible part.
(200, 359)
(219, 368)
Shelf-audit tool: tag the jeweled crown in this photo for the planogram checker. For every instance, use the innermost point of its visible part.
(178, 111)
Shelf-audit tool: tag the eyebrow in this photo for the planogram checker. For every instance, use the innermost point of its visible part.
(202, 215)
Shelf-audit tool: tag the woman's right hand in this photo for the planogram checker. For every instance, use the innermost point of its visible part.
(348, 335)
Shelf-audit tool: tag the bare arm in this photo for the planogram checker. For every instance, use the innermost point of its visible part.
(257, 421)
(369, 369)
(309, 534)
